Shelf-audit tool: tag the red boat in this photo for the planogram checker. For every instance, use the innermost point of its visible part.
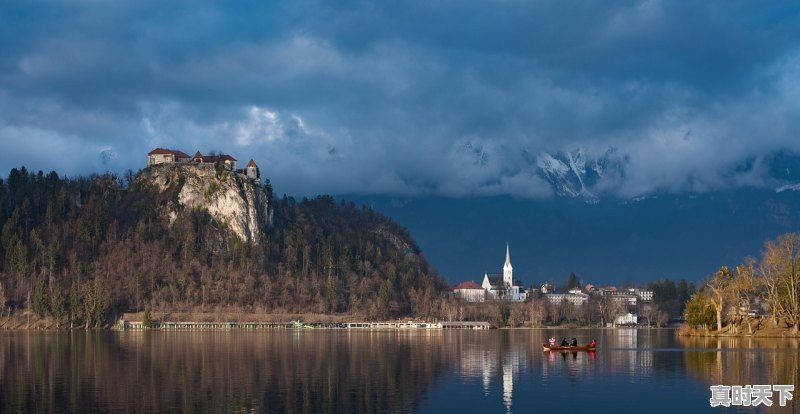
(547, 347)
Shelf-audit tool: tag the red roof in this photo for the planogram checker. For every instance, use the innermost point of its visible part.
(469, 285)
(164, 151)
(251, 164)
(198, 155)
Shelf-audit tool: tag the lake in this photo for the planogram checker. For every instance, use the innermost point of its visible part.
(421, 371)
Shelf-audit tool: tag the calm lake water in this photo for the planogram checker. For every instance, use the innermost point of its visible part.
(633, 371)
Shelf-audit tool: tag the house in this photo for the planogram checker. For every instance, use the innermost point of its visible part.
(469, 291)
(166, 156)
(504, 286)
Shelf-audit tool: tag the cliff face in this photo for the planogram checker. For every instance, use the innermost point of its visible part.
(240, 204)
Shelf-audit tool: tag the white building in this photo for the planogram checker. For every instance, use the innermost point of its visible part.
(470, 291)
(626, 298)
(504, 286)
(576, 298)
(627, 319)
(644, 295)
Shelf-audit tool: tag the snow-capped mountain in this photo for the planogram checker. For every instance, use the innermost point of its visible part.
(577, 174)
(574, 174)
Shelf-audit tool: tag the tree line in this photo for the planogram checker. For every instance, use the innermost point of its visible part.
(84, 250)
(668, 303)
(737, 298)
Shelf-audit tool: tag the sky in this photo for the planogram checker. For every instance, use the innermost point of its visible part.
(414, 98)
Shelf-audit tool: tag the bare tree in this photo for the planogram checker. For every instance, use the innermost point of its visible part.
(651, 312)
(720, 286)
(780, 273)
(538, 312)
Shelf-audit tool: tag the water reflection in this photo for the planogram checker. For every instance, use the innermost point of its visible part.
(219, 371)
(432, 371)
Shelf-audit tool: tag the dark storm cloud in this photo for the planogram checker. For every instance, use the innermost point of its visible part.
(446, 97)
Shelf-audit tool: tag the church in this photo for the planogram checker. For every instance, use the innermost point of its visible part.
(504, 285)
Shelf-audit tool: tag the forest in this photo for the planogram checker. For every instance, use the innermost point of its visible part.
(84, 250)
(755, 295)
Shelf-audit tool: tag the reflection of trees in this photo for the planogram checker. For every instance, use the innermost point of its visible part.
(742, 361)
(219, 371)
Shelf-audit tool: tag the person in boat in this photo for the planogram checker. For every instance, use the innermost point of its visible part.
(592, 344)
(552, 341)
(574, 342)
(564, 342)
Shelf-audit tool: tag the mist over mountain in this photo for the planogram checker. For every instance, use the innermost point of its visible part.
(608, 240)
(608, 174)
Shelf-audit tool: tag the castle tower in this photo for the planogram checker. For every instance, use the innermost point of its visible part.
(252, 170)
(508, 278)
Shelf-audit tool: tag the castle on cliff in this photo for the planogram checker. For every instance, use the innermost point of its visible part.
(168, 156)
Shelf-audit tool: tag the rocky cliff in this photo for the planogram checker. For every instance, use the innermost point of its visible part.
(239, 204)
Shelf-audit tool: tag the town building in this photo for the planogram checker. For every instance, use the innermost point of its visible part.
(470, 291)
(628, 319)
(574, 297)
(624, 297)
(630, 297)
(643, 294)
(504, 286)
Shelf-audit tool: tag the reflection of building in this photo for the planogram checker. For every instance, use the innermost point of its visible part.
(488, 364)
(510, 369)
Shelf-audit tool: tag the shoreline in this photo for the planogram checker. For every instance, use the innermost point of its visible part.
(245, 321)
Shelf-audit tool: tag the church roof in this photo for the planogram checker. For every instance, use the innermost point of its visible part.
(495, 279)
(251, 164)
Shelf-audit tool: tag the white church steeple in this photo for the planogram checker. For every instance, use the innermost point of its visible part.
(507, 269)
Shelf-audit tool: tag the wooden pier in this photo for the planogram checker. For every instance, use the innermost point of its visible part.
(410, 325)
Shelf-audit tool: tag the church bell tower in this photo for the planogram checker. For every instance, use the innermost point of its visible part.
(507, 269)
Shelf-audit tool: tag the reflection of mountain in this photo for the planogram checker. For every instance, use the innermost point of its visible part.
(219, 371)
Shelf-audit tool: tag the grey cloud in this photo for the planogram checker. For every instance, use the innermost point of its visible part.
(452, 98)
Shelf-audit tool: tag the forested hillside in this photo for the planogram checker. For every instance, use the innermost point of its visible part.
(84, 250)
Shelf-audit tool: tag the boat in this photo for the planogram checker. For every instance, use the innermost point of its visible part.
(547, 348)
